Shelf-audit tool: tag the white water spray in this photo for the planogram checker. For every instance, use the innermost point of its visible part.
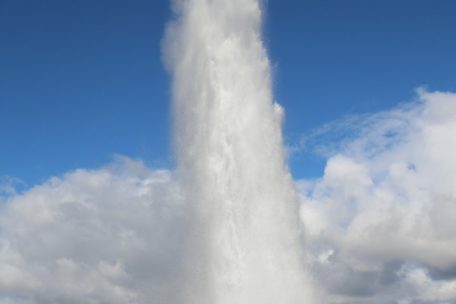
(244, 244)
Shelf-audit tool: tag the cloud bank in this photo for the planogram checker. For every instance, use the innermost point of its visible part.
(380, 225)
(111, 235)
(381, 222)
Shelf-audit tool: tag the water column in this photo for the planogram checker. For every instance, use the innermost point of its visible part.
(244, 244)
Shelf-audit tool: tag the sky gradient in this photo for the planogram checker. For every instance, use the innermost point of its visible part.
(93, 210)
(82, 80)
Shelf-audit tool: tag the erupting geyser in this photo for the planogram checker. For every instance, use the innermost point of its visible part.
(244, 244)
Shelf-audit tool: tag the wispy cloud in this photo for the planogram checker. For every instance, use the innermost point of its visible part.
(9, 186)
(377, 130)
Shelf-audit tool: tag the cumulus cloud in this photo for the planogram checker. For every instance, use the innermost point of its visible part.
(380, 225)
(111, 235)
(381, 222)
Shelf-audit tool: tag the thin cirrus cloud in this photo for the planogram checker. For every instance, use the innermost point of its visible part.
(380, 224)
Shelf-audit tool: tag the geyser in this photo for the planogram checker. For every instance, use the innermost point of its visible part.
(244, 243)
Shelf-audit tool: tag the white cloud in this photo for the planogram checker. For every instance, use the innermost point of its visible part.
(8, 186)
(380, 224)
(388, 199)
(111, 235)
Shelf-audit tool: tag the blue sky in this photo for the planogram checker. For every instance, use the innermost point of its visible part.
(83, 80)
(372, 156)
